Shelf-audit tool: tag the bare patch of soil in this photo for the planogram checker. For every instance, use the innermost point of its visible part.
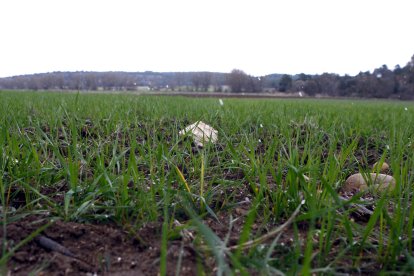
(102, 249)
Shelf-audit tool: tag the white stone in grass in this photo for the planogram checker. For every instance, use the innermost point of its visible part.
(7, 210)
(383, 169)
(359, 182)
(201, 133)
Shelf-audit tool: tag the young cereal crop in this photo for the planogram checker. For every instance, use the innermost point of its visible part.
(105, 184)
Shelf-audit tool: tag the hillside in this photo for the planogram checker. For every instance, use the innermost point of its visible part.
(381, 83)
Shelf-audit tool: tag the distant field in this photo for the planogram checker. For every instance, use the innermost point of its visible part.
(105, 183)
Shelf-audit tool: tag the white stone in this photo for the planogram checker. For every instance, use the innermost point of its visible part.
(383, 169)
(201, 133)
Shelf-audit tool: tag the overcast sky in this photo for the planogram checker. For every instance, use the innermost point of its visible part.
(257, 36)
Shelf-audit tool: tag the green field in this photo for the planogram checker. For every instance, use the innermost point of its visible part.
(266, 199)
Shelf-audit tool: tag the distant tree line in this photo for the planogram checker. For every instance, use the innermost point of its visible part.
(174, 81)
(381, 83)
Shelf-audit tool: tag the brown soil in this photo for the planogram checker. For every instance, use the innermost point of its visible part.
(102, 249)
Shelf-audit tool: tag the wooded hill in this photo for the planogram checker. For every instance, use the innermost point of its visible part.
(381, 83)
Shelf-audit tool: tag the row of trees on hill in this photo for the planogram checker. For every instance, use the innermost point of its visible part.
(381, 83)
(176, 81)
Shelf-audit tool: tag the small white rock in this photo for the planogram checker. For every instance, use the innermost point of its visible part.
(201, 133)
(307, 178)
(384, 167)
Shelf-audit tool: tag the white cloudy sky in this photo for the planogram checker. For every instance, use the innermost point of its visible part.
(257, 36)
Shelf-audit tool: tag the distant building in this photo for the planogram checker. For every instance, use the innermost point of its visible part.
(226, 88)
(143, 88)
